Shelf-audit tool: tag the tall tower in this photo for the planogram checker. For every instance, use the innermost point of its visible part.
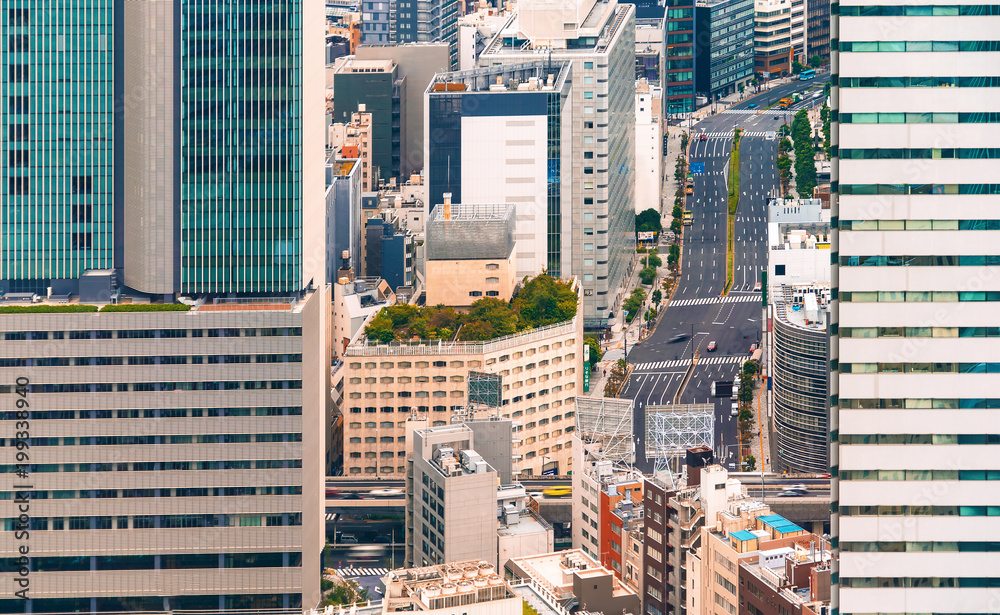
(915, 321)
(57, 193)
(223, 147)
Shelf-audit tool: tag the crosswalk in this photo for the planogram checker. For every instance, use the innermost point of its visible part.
(729, 134)
(661, 365)
(362, 572)
(711, 300)
(740, 111)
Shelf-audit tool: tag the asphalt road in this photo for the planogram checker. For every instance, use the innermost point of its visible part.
(697, 313)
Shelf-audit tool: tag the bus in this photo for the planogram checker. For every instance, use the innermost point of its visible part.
(807, 74)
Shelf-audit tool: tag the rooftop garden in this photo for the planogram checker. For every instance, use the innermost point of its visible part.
(46, 308)
(543, 300)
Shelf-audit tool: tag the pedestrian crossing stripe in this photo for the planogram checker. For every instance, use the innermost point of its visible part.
(710, 300)
(658, 365)
(729, 134)
(362, 572)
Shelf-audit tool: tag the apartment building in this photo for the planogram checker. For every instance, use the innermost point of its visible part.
(578, 580)
(385, 384)
(599, 39)
(915, 252)
(176, 457)
(658, 573)
(793, 579)
(648, 145)
(472, 586)
(353, 140)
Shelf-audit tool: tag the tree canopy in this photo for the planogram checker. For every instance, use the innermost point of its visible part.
(648, 220)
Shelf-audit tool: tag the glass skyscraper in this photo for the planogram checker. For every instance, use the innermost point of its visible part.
(58, 185)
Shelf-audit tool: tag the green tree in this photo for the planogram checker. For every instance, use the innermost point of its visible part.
(675, 226)
(824, 115)
(797, 67)
(816, 61)
(677, 211)
(684, 141)
(648, 220)
(745, 393)
(749, 463)
(652, 260)
(595, 350)
(673, 254)
(647, 275)
(750, 368)
(656, 297)
(380, 329)
(650, 314)
(745, 415)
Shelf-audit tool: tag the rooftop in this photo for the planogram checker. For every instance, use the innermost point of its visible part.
(804, 305)
(555, 571)
(525, 77)
(353, 65)
(444, 586)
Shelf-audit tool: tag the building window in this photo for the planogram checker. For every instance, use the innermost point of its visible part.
(492, 280)
(492, 266)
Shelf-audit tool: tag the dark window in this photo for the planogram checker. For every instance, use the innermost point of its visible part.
(17, 43)
(17, 73)
(18, 132)
(83, 185)
(82, 241)
(17, 185)
(779, 270)
(17, 104)
(17, 17)
(18, 158)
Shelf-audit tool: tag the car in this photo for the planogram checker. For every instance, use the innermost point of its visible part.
(561, 491)
(822, 476)
(348, 539)
(536, 494)
(680, 337)
(703, 137)
(798, 488)
(754, 346)
(385, 493)
(756, 287)
(382, 540)
(790, 494)
(752, 106)
(332, 493)
(352, 496)
(732, 466)
(711, 346)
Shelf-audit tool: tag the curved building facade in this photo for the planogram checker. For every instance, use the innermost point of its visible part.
(800, 386)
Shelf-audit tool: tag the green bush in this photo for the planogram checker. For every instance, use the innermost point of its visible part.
(647, 275)
(43, 309)
(147, 307)
(652, 261)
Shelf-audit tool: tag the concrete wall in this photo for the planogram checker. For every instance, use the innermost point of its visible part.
(450, 282)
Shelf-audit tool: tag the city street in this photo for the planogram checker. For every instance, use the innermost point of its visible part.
(697, 313)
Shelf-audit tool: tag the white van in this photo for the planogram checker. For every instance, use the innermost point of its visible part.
(736, 408)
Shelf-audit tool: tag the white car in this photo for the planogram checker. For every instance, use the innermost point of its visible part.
(385, 493)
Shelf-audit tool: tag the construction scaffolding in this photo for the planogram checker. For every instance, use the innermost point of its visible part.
(607, 421)
(672, 430)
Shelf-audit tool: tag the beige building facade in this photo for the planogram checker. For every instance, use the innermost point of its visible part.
(460, 283)
(190, 445)
(384, 385)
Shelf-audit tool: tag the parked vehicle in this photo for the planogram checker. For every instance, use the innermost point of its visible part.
(736, 408)
(348, 539)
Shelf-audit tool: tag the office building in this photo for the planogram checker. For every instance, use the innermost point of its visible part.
(817, 35)
(433, 21)
(417, 63)
(138, 193)
(724, 56)
(57, 199)
(650, 50)
(189, 444)
(376, 24)
(541, 377)
(451, 496)
(501, 134)
(598, 37)
(798, 341)
(648, 146)
(577, 579)
(343, 213)
(377, 85)
(389, 250)
(470, 254)
(658, 573)
(773, 52)
(474, 586)
(915, 270)
(679, 86)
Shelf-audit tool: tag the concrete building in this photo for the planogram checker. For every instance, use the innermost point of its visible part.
(378, 86)
(934, 390)
(472, 586)
(343, 214)
(389, 250)
(598, 37)
(541, 372)
(500, 135)
(724, 56)
(793, 579)
(817, 33)
(417, 63)
(798, 239)
(470, 254)
(658, 573)
(648, 146)
(576, 579)
(353, 140)
(191, 445)
(434, 21)
(773, 53)
(476, 29)
(376, 28)
(453, 493)
(354, 300)
(680, 56)
(650, 51)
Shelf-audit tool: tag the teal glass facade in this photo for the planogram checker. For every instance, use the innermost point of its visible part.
(57, 116)
(240, 88)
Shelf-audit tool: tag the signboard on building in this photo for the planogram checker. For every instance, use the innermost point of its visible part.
(646, 235)
(586, 368)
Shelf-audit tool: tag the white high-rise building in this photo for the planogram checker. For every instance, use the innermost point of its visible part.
(915, 415)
